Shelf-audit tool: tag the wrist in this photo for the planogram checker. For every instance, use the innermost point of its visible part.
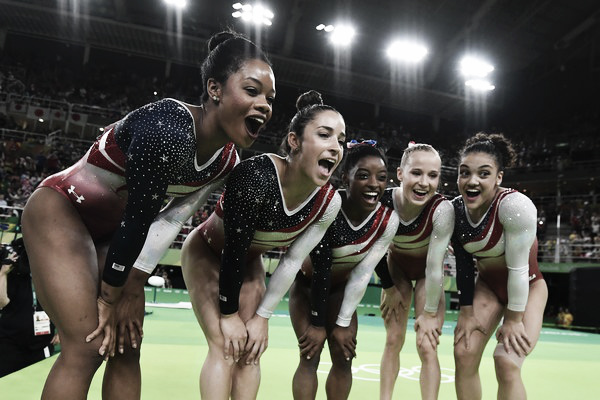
(513, 316)
(228, 316)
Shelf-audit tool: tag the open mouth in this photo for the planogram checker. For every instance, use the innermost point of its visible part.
(254, 125)
(326, 165)
(371, 197)
(472, 193)
(420, 193)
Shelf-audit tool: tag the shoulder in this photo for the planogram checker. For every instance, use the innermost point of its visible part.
(387, 199)
(515, 204)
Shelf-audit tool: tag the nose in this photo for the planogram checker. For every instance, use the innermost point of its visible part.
(264, 106)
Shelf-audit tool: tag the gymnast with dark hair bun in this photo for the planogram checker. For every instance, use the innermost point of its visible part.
(341, 265)
(497, 227)
(84, 227)
(269, 201)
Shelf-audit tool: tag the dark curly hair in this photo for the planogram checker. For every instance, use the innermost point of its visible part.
(494, 144)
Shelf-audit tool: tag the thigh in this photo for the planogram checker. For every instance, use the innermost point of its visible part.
(534, 310)
(253, 288)
(300, 305)
(64, 263)
(488, 310)
(200, 267)
(404, 285)
(420, 302)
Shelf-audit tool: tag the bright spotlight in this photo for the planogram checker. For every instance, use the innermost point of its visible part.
(474, 67)
(480, 85)
(407, 51)
(342, 35)
(179, 4)
(258, 14)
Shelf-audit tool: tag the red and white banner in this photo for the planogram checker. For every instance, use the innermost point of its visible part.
(58, 115)
(37, 112)
(16, 107)
(78, 118)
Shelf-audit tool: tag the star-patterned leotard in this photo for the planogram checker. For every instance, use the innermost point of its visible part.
(419, 246)
(120, 184)
(252, 217)
(497, 242)
(351, 252)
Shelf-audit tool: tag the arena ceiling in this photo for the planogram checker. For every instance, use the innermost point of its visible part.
(530, 42)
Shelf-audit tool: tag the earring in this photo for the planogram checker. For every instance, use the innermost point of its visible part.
(215, 98)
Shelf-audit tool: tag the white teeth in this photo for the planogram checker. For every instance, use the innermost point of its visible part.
(472, 191)
(421, 192)
(371, 194)
(259, 120)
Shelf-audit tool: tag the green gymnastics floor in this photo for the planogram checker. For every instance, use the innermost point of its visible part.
(564, 365)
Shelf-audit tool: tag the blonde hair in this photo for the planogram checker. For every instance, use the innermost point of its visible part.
(413, 147)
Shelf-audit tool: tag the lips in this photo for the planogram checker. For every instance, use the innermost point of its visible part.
(419, 193)
(472, 193)
(371, 197)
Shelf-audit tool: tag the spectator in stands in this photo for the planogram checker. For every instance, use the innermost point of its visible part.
(351, 248)
(509, 285)
(26, 334)
(269, 201)
(416, 254)
(97, 213)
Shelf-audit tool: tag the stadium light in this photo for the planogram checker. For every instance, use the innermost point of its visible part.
(480, 85)
(472, 67)
(257, 14)
(178, 4)
(340, 35)
(407, 51)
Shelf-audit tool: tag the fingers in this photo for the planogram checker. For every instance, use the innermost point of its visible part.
(237, 349)
(227, 348)
(252, 349)
(121, 338)
(263, 346)
(94, 334)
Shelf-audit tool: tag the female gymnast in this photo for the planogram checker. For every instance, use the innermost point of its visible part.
(268, 202)
(348, 253)
(85, 226)
(416, 254)
(497, 226)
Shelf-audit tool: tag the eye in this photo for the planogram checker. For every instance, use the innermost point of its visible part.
(270, 99)
(341, 143)
(382, 178)
(252, 90)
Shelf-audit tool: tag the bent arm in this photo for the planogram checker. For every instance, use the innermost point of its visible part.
(361, 274)
(443, 226)
(290, 264)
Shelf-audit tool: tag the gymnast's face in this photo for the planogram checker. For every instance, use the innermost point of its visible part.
(420, 177)
(366, 181)
(478, 181)
(321, 146)
(246, 102)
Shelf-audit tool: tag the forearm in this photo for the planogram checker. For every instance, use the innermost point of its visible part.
(4, 299)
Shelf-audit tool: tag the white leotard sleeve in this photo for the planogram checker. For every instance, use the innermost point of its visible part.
(443, 226)
(361, 273)
(168, 223)
(518, 216)
(290, 263)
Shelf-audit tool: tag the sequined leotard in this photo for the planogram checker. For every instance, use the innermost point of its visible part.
(252, 217)
(503, 243)
(120, 184)
(352, 251)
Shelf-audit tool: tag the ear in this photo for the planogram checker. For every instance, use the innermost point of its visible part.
(345, 180)
(293, 140)
(399, 174)
(213, 88)
(499, 178)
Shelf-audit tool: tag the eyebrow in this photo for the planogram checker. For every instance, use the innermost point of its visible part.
(258, 82)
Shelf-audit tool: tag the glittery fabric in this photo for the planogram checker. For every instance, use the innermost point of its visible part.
(255, 219)
(353, 252)
(129, 171)
(504, 239)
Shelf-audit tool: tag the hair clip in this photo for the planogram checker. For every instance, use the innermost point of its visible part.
(354, 143)
(411, 144)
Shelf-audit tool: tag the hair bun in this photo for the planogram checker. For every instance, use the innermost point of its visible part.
(219, 38)
(309, 98)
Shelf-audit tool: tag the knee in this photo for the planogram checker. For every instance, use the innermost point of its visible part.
(426, 353)
(84, 357)
(464, 358)
(338, 360)
(394, 342)
(507, 368)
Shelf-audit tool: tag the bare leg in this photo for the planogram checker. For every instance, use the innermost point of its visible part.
(339, 380)
(395, 330)
(66, 276)
(430, 366)
(122, 376)
(305, 382)
(246, 376)
(200, 267)
(488, 312)
(508, 365)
